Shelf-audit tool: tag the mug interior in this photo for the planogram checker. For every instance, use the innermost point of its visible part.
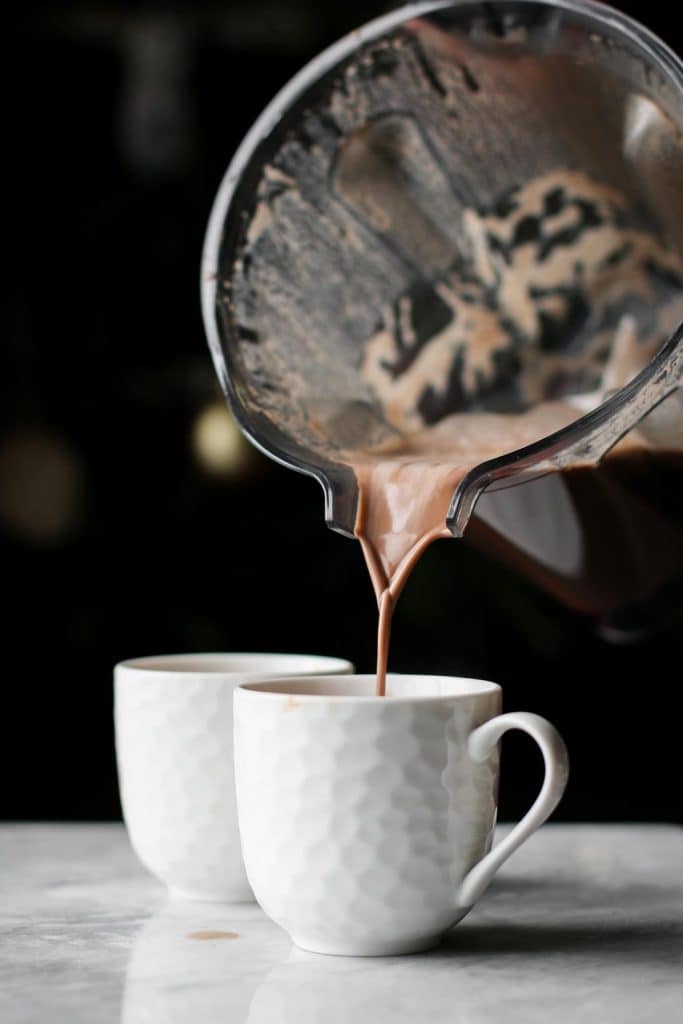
(240, 663)
(362, 687)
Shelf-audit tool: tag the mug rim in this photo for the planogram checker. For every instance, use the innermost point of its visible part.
(295, 690)
(236, 663)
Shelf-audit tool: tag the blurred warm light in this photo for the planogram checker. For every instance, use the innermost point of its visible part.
(218, 445)
(41, 484)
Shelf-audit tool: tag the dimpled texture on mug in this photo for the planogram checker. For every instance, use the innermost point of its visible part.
(359, 821)
(174, 744)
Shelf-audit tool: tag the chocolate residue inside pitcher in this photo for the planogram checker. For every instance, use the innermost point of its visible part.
(417, 247)
(452, 251)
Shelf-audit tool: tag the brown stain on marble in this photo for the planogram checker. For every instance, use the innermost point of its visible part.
(204, 936)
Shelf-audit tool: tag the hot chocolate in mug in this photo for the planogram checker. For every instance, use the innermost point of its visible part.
(367, 822)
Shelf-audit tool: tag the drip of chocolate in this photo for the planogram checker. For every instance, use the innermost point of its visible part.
(404, 495)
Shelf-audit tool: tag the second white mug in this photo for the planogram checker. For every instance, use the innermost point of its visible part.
(174, 749)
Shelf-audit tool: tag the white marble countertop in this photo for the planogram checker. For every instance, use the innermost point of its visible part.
(584, 924)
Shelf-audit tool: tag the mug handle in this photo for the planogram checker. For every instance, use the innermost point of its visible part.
(481, 742)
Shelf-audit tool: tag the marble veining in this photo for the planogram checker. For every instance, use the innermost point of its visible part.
(585, 923)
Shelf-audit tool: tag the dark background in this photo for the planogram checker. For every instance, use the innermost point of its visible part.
(116, 537)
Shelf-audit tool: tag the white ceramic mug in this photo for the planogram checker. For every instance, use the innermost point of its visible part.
(173, 718)
(367, 822)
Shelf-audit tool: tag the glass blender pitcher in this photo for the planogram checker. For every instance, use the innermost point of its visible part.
(473, 209)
